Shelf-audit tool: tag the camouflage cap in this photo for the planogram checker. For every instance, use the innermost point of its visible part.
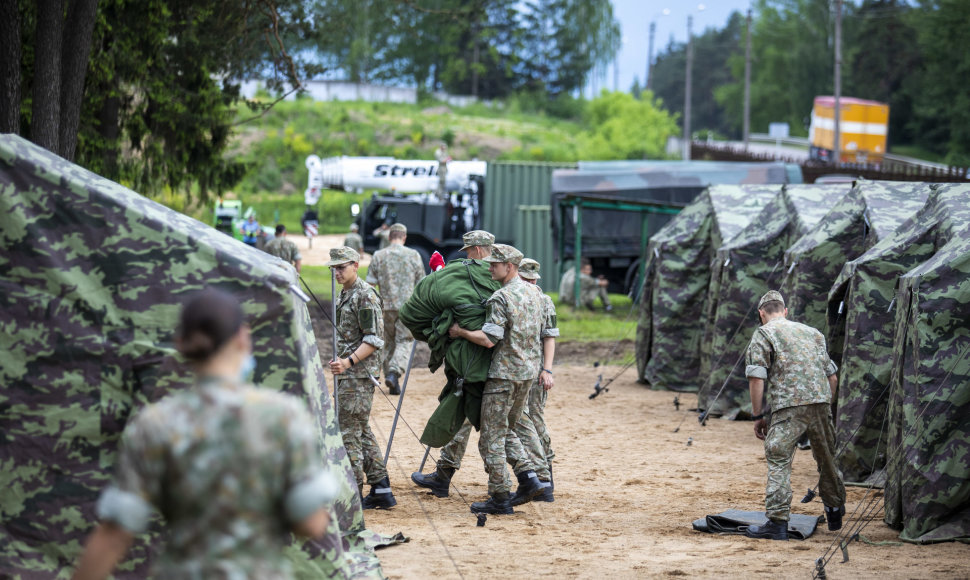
(771, 296)
(399, 228)
(504, 254)
(342, 255)
(477, 238)
(354, 227)
(529, 269)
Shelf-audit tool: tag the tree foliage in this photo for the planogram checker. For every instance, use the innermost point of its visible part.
(622, 127)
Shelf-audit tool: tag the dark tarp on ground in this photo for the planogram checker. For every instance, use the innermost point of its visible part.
(928, 470)
(92, 278)
(734, 522)
(745, 268)
(863, 292)
(678, 272)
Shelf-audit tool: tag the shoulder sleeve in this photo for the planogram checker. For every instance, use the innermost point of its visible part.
(375, 264)
(830, 367)
(309, 485)
(758, 356)
(370, 317)
(549, 327)
(128, 501)
(496, 318)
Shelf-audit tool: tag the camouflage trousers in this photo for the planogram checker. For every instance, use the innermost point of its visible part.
(533, 433)
(588, 298)
(502, 405)
(454, 450)
(787, 426)
(397, 344)
(536, 453)
(355, 397)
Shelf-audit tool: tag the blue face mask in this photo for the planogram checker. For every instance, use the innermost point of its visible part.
(247, 368)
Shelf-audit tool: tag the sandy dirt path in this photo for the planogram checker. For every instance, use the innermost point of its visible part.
(627, 490)
(319, 252)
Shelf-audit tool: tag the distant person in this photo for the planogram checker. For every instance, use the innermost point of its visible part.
(395, 270)
(251, 231)
(441, 155)
(360, 334)
(353, 239)
(283, 248)
(233, 469)
(589, 288)
(382, 233)
(792, 359)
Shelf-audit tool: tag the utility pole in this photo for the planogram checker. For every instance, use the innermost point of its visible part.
(837, 141)
(747, 82)
(687, 88)
(653, 30)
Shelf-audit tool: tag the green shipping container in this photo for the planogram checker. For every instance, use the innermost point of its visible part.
(510, 184)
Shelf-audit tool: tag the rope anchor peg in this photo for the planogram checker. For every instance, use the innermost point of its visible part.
(598, 388)
(809, 496)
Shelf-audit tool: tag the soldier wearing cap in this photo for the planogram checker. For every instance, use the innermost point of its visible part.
(283, 248)
(531, 427)
(514, 320)
(360, 334)
(478, 246)
(801, 381)
(353, 239)
(395, 270)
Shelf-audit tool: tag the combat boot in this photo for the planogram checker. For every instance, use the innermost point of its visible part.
(547, 493)
(437, 481)
(771, 530)
(529, 488)
(392, 385)
(498, 503)
(833, 516)
(380, 496)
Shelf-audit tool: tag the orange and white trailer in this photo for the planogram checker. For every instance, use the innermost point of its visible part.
(863, 128)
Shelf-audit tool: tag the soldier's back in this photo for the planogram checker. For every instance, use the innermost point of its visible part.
(397, 269)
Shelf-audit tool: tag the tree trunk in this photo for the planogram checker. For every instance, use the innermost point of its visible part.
(74, 68)
(110, 130)
(9, 67)
(47, 74)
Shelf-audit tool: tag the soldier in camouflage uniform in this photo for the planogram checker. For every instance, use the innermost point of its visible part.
(283, 248)
(353, 239)
(232, 468)
(801, 379)
(589, 288)
(360, 332)
(515, 316)
(395, 270)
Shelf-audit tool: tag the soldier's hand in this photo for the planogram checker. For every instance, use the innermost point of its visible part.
(454, 330)
(338, 366)
(760, 429)
(546, 380)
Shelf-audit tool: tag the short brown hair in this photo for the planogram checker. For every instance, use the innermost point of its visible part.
(396, 235)
(773, 307)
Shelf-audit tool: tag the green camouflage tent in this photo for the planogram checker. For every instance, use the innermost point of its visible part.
(864, 293)
(93, 276)
(678, 273)
(871, 211)
(928, 470)
(745, 268)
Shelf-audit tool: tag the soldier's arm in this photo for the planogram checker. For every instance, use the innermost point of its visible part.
(105, 547)
(757, 361)
(311, 489)
(372, 271)
(492, 331)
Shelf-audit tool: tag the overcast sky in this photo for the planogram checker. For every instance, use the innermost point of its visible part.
(671, 18)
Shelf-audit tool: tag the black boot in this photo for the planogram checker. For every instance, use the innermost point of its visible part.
(529, 488)
(833, 515)
(380, 496)
(547, 493)
(771, 530)
(392, 386)
(437, 481)
(497, 503)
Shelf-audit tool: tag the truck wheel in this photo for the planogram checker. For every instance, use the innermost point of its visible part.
(455, 255)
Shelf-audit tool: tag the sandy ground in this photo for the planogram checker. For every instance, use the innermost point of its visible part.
(627, 489)
(319, 252)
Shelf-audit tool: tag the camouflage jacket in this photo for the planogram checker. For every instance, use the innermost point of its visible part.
(514, 320)
(396, 270)
(360, 319)
(283, 249)
(354, 241)
(793, 360)
(549, 327)
(587, 285)
(231, 468)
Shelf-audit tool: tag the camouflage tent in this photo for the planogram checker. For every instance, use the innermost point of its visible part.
(863, 294)
(871, 211)
(93, 276)
(678, 273)
(928, 470)
(744, 269)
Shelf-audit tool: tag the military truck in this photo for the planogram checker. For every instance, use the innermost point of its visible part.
(433, 224)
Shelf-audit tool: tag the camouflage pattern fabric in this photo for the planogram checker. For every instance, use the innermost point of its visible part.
(353, 240)
(792, 360)
(744, 269)
(863, 292)
(502, 404)
(514, 320)
(397, 342)
(356, 397)
(589, 290)
(359, 319)
(93, 277)
(787, 427)
(283, 249)
(231, 468)
(678, 273)
(395, 270)
(928, 471)
(454, 451)
(533, 434)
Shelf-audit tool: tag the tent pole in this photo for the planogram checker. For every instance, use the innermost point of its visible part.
(578, 252)
(400, 402)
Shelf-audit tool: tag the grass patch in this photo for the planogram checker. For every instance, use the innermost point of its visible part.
(582, 325)
(333, 210)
